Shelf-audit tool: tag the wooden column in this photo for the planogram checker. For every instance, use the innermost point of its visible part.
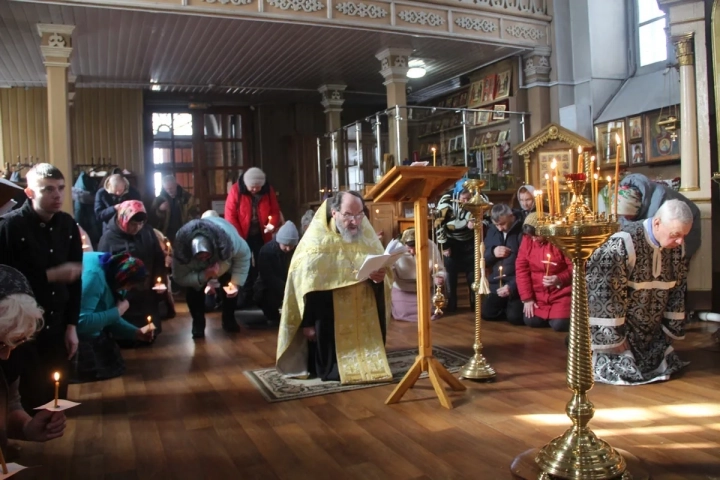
(537, 78)
(56, 47)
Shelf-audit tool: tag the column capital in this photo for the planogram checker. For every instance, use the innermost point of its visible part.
(55, 44)
(537, 64)
(333, 97)
(394, 64)
(685, 48)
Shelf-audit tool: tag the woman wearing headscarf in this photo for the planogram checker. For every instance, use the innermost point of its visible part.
(129, 232)
(544, 280)
(106, 280)
(116, 189)
(404, 288)
(526, 200)
(639, 198)
(20, 319)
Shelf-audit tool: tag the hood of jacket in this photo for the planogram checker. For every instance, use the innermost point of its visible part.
(221, 242)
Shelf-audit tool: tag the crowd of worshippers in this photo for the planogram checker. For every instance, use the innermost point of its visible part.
(97, 293)
(80, 301)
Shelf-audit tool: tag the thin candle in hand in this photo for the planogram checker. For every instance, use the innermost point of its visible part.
(500, 276)
(56, 376)
(547, 266)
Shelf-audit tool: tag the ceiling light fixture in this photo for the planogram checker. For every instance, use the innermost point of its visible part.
(417, 69)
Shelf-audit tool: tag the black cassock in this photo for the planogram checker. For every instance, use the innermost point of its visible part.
(319, 313)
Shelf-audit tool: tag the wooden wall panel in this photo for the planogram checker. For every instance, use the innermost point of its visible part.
(107, 123)
(23, 117)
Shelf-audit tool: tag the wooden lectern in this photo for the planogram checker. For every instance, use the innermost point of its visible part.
(417, 184)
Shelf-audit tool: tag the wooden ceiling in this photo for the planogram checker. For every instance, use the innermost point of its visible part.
(254, 60)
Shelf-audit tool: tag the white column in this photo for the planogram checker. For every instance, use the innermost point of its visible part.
(394, 68)
(332, 100)
(689, 167)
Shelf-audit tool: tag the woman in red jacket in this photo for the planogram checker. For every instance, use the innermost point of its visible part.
(252, 208)
(544, 280)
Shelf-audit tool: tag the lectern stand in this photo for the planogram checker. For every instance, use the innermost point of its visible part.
(417, 184)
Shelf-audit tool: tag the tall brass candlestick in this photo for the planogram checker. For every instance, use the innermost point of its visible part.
(477, 367)
(578, 453)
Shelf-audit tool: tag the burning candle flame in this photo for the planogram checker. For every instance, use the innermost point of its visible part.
(159, 280)
(230, 285)
(149, 319)
(617, 138)
(56, 376)
(579, 148)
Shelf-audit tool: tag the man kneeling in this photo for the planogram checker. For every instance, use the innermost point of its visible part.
(333, 325)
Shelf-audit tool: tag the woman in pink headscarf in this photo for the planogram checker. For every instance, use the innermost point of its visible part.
(129, 232)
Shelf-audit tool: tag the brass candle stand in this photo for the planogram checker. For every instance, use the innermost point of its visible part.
(477, 367)
(578, 453)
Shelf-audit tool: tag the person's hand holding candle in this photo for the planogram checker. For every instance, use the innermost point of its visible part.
(231, 290)
(269, 227)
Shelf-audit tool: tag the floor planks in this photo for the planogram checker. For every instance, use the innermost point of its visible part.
(185, 410)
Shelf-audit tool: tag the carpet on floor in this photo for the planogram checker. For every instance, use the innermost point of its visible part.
(276, 388)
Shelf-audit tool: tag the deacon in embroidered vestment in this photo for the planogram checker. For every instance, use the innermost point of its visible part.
(636, 294)
(332, 325)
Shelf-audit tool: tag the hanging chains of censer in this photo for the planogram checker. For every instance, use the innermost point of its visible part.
(438, 299)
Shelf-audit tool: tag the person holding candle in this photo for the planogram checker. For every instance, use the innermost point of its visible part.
(173, 208)
(106, 281)
(20, 320)
(454, 227)
(166, 307)
(252, 208)
(637, 282)
(502, 245)
(129, 232)
(273, 264)
(115, 191)
(207, 249)
(404, 287)
(43, 242)
(544, 280)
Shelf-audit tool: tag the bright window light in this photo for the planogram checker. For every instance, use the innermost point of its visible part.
(648, 10)
(653, 42)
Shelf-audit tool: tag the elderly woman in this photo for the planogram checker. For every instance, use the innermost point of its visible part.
(106, 279)
(116, 190)
(129, 232)
(404, 289)
(544, 280)
(20, 318)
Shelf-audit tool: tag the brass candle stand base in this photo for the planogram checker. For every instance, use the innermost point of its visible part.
(524, 466)
(477, 367)
(578, 453)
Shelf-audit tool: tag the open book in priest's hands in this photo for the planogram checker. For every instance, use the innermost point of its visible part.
(374, 263)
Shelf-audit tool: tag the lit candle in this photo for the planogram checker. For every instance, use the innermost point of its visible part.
(617, 170)
(580, 160)
(433, 150)
(547, 266)
(231, 286)
(159, 280)
(595, 193)
(269, 218)
(551, 210)
(435, 268)
(592, 184)
(167, 244)
(556, 193)
(609, 194)
(539, 204)
(57, 387)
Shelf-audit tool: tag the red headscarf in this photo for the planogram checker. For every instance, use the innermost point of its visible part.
(127, 211)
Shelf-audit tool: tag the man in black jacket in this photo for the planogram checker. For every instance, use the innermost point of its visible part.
(502, 244)
(273, 265)
(44, 244)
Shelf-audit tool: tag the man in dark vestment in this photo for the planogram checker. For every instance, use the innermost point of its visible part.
(44, 243)
(333, 323)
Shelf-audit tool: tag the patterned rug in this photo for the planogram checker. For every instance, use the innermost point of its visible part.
(275, 388)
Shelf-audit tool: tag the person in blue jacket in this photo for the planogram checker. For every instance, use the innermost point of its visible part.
(106, 279)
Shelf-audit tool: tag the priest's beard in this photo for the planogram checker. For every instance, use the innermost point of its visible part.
(350, 235)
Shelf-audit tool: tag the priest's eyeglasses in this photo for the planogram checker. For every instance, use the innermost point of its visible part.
(349, 216)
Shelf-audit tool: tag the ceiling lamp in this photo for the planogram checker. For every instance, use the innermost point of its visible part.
(417, 69)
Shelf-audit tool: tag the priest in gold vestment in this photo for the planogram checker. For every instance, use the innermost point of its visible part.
(333, 326)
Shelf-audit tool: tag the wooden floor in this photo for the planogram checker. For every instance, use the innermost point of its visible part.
(185, 410)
